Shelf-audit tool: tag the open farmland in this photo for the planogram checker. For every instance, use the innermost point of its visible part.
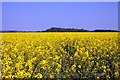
(84, 55)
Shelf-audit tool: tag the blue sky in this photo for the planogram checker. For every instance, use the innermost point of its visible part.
(32, 16)
(60, 0)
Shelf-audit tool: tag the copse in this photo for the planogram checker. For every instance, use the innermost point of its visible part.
(55, 29)
(58, 29)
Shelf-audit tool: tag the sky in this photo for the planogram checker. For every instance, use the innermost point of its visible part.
(60, 0)
(37, 16)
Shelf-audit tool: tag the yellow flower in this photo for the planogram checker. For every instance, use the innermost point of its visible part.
(51, 76)
(86, 54)
(43, 62)
(76, 55)
(74, 68)
(104, 67)
(116, 74)
(39, 75)
(79, 66)
(98, 77)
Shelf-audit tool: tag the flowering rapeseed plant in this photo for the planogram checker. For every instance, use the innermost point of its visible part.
(60, 55)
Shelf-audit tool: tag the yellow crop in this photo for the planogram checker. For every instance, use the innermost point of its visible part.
(60, 55)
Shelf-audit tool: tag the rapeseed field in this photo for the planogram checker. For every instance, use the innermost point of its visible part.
(83, 55)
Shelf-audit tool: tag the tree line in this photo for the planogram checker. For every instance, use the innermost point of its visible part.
(55, 29)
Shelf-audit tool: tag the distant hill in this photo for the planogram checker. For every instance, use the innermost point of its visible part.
(56, 29)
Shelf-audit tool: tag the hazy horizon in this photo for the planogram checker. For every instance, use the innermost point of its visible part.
(38, 16)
